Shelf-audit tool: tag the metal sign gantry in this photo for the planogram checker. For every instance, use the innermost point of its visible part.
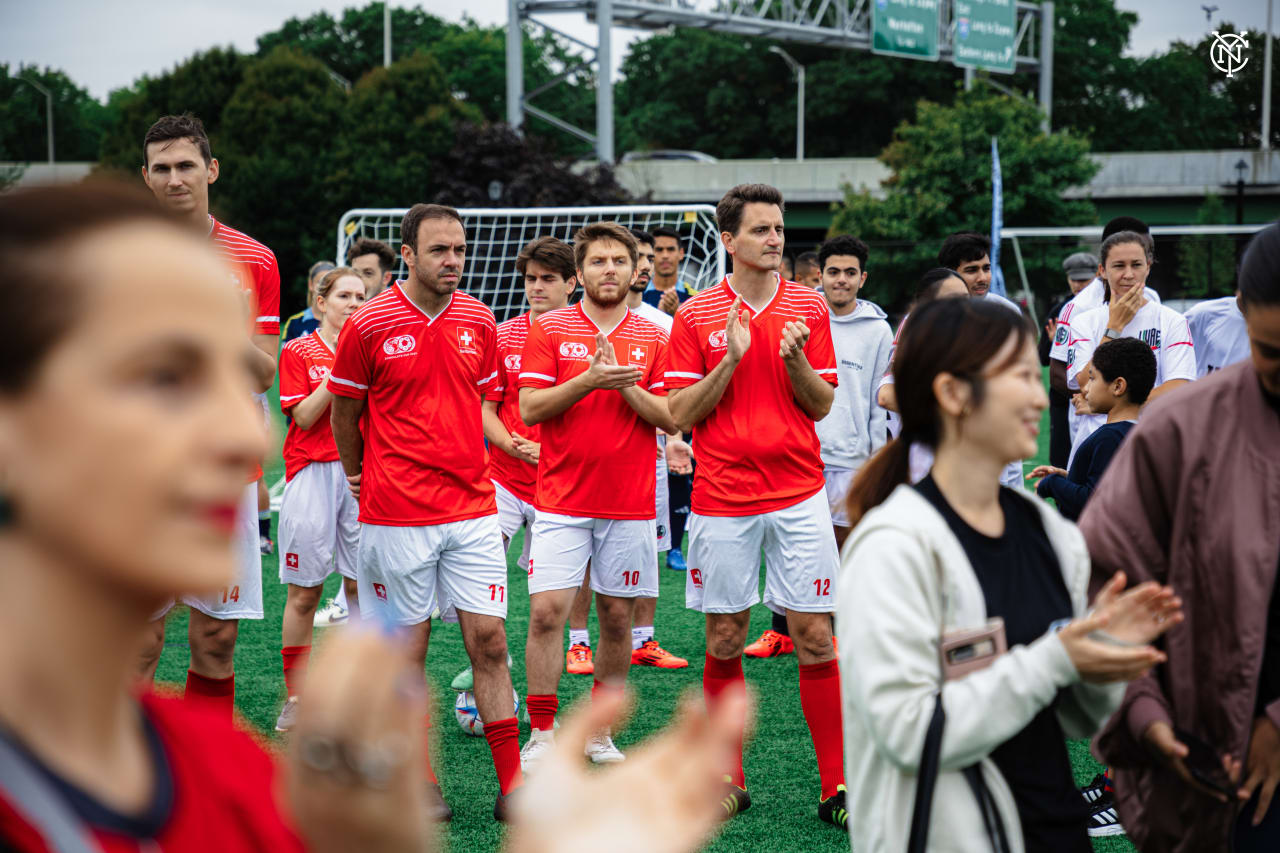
(843, 24)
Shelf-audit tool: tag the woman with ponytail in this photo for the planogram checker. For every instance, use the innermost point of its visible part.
(951, 555)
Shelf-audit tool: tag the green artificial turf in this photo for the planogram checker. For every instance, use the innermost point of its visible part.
(781, 772)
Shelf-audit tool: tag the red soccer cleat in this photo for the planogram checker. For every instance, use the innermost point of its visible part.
(652, 654)
(577, 661)
(770, 645)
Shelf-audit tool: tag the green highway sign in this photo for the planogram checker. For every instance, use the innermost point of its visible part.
(984, 34)
(905, 28)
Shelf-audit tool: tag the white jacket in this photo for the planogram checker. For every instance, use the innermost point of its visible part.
(888, 611)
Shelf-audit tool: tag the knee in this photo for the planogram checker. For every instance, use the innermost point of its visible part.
(304, 600)
(217, 641)
(490, 647)
(545, 618)
(813, 637)
(726, 637)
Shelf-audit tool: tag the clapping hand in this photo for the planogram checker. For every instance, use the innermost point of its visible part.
(605, 372)
(737, 330)
(794, 336)
(669, 301)
(1113, 642)
(1042, 471)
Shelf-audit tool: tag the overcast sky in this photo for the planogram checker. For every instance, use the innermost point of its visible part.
(106, 45)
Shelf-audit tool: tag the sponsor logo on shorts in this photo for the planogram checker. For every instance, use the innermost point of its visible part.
(718, 339)
(398, 346)
(291, 562)
(573, 349)
(466, 340)
(317, 372)
(512, 362)
(531, 567)
(696, 575)
(380, 591)
(662, 530)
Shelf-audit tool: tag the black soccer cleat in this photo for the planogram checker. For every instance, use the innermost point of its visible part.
(735, 801)
(438, 810)
(833, 810)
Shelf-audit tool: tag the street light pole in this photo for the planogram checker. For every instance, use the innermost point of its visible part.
(386, 33)
(798, 70)
(1241, 168)
(48, 109)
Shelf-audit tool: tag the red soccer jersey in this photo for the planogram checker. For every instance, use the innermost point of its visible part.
(758, 450)
(255, 272)
(422, 381)
(221, 794)
(516, 476)
(597, 456)
(304, 366)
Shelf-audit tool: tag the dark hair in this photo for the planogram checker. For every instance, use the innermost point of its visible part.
(420, 213)
(185, 126)
(643, 236)
(1129, 359)
(956, 336)
(555, 255)
(597, 231)
(931, 282)
(845, 244)
(805, 260)
(1259, 278)
(962, 247)
(37, 227)
(320, 266)
(369, 246)
(729, 210)
(666, 231)
(1125, 223)
(1121, 238)
(331, 278)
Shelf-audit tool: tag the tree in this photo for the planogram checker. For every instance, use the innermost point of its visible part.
(78, 119)
(1094, 83)
(524, 170)
(941, 182)
(728, 96)
(202, 85)
(277, 146)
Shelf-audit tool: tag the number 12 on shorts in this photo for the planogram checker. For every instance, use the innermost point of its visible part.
(497, 592)
(822, 586)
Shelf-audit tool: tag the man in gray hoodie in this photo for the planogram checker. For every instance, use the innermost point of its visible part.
(855, 427)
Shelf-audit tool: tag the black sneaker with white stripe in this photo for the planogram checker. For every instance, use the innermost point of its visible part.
(1103, 820)
(1095, 789)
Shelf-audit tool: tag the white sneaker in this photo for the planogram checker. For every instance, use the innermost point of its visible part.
(288, 715)
(600, 749)
(332, 613)
(538, 745)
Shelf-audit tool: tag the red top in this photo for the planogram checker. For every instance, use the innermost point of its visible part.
(597, 455)
(757, 450)
(422, 381)
(216, 790)
(304, 366)
(255, 272)
(515, 475)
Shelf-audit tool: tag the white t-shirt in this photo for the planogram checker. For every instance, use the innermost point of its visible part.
(1163, 329)
(1000, 300)
(657, 316)
(1217, 327)
(1090, 296)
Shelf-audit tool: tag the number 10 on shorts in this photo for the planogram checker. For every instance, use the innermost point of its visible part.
(822, 586)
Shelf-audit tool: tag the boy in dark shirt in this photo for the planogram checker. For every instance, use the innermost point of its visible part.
(1121, 376)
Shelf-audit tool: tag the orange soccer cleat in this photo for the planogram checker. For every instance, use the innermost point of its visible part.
(652, 654)
(770, 645)
(577, 661)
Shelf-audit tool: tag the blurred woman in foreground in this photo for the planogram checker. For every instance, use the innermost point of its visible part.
(929, 561)
(125, 431)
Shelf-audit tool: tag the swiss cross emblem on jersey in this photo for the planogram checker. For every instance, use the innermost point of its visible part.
(466, 339)
(637, 354)
(291, 562)
(380, 590)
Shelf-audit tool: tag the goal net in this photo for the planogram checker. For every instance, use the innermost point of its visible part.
(496, 235)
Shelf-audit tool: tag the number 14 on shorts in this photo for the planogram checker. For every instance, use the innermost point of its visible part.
(821, 587)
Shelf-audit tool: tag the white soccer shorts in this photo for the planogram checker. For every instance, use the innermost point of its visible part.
(662, 506)
(405, 573)
(319, 532)
(838, 482)
(624, 561)
(512, 513)
(243, 598)
(799, 552)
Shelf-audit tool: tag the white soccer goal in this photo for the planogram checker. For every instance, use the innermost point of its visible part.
(496, 235)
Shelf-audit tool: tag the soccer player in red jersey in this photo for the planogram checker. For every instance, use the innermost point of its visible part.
(412, 368)
(593, 371)
(178, 168)
(752, 367)
(318, 526)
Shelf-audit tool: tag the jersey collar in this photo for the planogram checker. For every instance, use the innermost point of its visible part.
(616, 326)
(755, 312)
(414, 306)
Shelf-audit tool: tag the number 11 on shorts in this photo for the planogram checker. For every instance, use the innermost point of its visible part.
(497, 592)
(822, 586)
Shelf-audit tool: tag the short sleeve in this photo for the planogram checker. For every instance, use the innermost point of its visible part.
(497, 391)
(294, 386)
(538, 364)
(1061, 348)
(685, 361)
(819, 349)
(1178, 351)
(352, 366)
(1083, 343)
(267, 282)
(661, 360)
(490, 379)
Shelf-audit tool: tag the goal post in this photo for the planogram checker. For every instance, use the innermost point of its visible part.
(496, 235)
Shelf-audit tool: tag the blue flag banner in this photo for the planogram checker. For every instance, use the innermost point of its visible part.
(997, 220)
